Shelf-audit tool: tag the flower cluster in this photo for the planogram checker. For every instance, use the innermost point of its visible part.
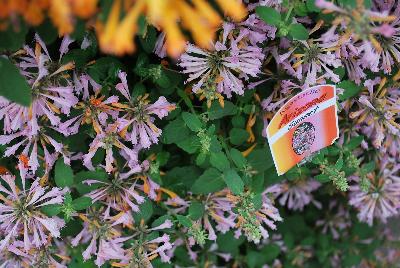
(149, 161)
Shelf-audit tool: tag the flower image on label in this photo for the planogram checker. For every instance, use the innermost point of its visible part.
(305, 124)
(303, 138)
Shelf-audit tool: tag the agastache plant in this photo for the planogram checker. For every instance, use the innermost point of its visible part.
(160, 158)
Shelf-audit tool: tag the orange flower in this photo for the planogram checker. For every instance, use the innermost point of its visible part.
(61, 15)
(84, 9)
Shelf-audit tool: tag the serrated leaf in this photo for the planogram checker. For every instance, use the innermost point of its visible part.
(269, 15)
(322, 178)
(369, 167)
(13, 85)
(63, 175)
(238, 136)
(217, 112)
(298, 31)
(237, 158)
(51, 210)
(210, 181)
(82, 188)
(354, 142)
(196, 210)
(175, 131)
(351, 89)
(13, 38)
(233, 181)
(145, 211)
(339, 163)
(82, 202)
(192, 121)
(190, 144)
(184, 221)
(220, 161)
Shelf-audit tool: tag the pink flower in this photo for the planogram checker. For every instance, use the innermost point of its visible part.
(31, 145)
(104, 234)
(21, 215)
(143, 250)
(52, 94)
(377, 111)
(296, 195)
(225, 66)
(382, 199)
(121, 193)
(109, 139)
(137, 125)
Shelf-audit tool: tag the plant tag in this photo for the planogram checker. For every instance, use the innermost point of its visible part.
(305, 124)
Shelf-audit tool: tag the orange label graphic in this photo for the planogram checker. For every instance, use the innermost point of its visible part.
(305, 124)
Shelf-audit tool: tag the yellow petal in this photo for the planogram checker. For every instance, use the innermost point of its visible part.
(233, 8)
(60, 14)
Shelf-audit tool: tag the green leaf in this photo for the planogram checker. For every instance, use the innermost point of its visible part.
(238, 136)
(47, 32)
(354, 142)
(210, 181)
(51, 210)
(145, 211)
(339, 163)
(311, 6)
(82, 188)
(350, 89)
(11, 39)
(175, 131)
(298, 31)
(192, 121)
(63, 174)
(196, 210)
(13, 85)
(238, 158)
(185, 221)
(189, 144)
(233, 181)
(260, 159)
(369, 167)
(220, 161)
(217, 112)
(78, 56)
(149, 40)
(82, 203)
(322, 178)
(238, 121)
(269, 15)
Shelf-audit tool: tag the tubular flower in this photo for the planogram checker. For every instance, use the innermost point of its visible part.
(335, 222)
(32, 146)
(311, 59)
(137, 125)
(49, 97)
(251, 219)
(108, 139)
(221, 70)
(296, 195)
(378, 110)
(60, 12)
(21, 215)
(200, 19)
(52, 255)
(104, 234)
(382, 198)
(96, 108)
(367, 26)
(121, 193)
(144, 249)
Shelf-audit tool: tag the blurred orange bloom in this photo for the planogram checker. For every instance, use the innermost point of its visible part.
(116, 34)
(199, 18)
